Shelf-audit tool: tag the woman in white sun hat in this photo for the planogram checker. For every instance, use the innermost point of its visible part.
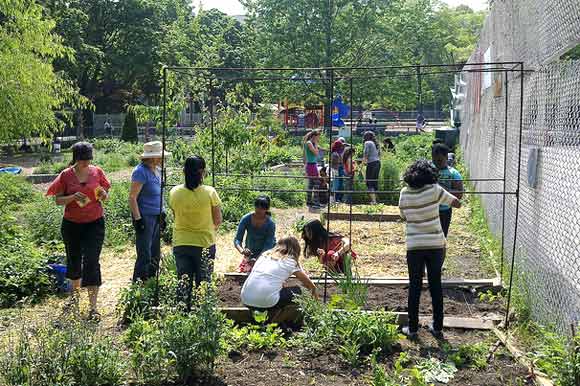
(146, 208)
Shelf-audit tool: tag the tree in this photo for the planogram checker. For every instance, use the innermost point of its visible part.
(353, 33)
(31, 91)
(129, 132)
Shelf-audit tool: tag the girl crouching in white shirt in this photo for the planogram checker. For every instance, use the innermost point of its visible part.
(264, 287)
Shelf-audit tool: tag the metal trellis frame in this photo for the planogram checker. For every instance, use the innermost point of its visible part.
(349, 74)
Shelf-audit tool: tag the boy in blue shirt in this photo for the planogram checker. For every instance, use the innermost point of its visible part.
(449, 179)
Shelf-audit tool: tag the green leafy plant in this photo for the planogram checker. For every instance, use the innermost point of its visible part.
(353, 291)
(54, 354)
(489, 296)
(433, 370)
(470, 355)
(258, 336)
(179, 346)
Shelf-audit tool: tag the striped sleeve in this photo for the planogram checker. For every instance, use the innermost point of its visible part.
(444, 197)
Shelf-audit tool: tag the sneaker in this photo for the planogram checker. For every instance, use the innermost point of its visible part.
(94, 316)
(437, 334)
(411, 335)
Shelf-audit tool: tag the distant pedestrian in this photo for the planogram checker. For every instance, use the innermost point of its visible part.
(372, 160)
(81, 189)
(337, 169)
(449, 178)
(419, 206)
(349, 166)
(108, 127)
(420, 123)
(311, 153)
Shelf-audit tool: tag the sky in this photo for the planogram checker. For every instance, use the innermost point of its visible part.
(233, 7)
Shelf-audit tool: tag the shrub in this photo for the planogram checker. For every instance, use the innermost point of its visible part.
(410, 148)
(14, 190)
(22, 265)
(68, 355)
(50, 167)
(182, 345)
(129, 132)
(138, 301)
(43, 219)
(355, 333)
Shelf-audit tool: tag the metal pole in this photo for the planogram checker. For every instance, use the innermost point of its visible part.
(507, 312)
(505, 150)
(419, 92)
(211, 111)
(163, 179)
(350, 204)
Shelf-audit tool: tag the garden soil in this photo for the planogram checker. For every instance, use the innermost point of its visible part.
(295, 368)
(458, 302)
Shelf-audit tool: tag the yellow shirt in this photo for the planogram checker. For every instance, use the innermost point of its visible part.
(193, 224)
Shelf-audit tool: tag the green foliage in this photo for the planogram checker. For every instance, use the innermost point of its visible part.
(351, 331)
(129, 132)
(433, 370)
(556, 356)
(22, 265)
(112, 154)
(389, 177)
(43, 218)
(14, 190)
(31, 89)
(23, 273)
(138, 301)
(353, 291)
(73, 354)
(413, 147)
(254, 337)
(179, 346)
(470, 355)
(401, 375)
(50, 167)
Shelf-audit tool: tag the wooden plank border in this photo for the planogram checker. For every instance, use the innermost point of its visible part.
(244, 315)
(396, 281)
(361, 217)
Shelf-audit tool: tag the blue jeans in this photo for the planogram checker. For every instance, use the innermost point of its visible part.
(148, 249)
(338, 184)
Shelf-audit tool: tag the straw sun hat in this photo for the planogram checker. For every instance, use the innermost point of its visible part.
(153, 150)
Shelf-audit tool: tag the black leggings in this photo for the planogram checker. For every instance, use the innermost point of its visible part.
(372, 175)
(83, 244)
(416, 262)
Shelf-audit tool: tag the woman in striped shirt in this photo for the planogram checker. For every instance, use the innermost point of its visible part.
(419, 206)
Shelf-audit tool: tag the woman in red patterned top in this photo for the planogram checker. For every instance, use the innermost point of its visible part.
(82, 188)
(329, 247)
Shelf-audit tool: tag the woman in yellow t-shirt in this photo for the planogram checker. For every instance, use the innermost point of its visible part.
(197, 213)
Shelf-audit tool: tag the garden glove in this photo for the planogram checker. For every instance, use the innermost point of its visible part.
(139, 225)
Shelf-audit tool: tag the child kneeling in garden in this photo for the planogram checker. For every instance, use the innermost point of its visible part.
(264, 288)
(419, 206)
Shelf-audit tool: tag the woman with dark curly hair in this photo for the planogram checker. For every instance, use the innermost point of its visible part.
(419, 206)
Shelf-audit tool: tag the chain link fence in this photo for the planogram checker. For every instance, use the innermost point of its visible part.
(538, 33)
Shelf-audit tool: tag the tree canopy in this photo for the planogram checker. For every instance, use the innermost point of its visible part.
(31, 91)
(59, 54)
